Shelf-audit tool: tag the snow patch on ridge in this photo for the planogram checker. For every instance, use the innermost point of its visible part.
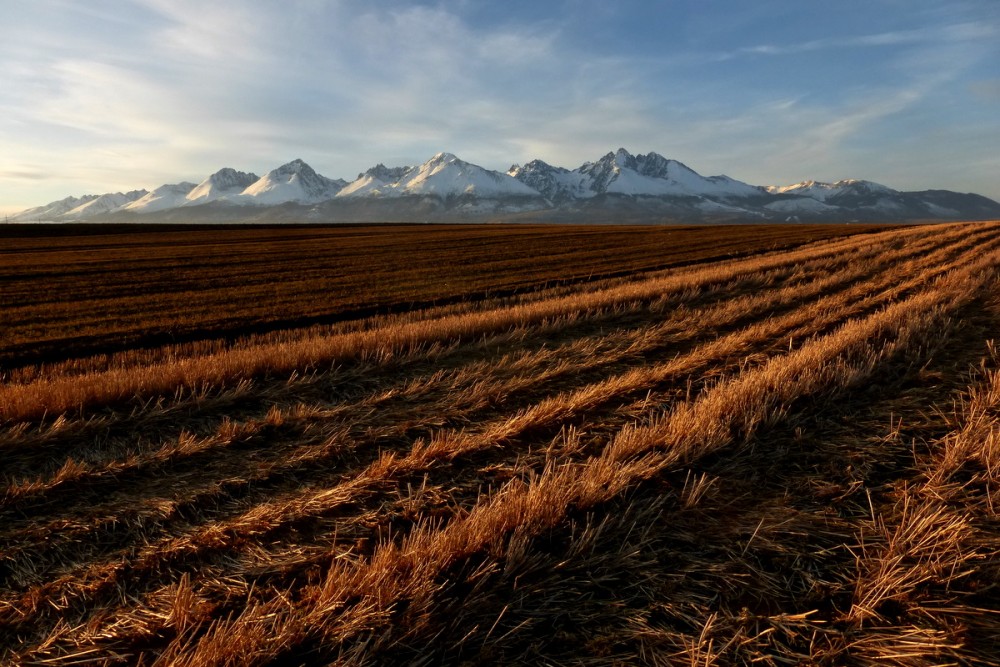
(162, 198)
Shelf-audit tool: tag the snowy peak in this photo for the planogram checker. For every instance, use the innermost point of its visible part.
(655, 165)
(294, 181)
(440, 159)
(623, 159)
(821, 191)
(228, 178)
(447, 176)
(296, 166)
(607, 170)
(443, 175)
(556, 184)
(855, 186)
(792, 189)
(386, 174)
(224, 183)
(535, 167)
(376, 182)
(622, 173)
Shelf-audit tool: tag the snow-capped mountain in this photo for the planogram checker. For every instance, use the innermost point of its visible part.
(618, 186)
(162, 198)
(292, 182)
(823, 191)
(556, 184)
(444, 175)
(222, 184)
(105, 203)
(866, 200)
(622, 173)
(52, 210)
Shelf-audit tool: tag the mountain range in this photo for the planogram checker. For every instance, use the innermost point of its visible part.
(617, 187)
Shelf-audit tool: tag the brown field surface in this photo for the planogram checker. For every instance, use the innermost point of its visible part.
(70, 289)
(500, 445)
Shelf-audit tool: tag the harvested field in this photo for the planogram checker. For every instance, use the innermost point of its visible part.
(652, 449)
(67, 290)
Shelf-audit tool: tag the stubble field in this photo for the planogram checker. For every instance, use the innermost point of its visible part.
(501, 446)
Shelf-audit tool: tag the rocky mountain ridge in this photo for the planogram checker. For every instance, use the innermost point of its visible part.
(619, 186)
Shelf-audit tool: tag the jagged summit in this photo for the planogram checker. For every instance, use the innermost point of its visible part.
(622, 173)
(535, 166)
(224, 183)
(227, 177)
(384, 173)
(556, 184)
(377, 181)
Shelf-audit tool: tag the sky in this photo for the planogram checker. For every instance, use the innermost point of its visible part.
(112, 95)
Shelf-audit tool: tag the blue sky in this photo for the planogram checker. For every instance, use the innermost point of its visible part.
(101, 95)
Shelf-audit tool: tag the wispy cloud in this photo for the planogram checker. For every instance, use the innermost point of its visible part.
(959, 32)
(25, 174)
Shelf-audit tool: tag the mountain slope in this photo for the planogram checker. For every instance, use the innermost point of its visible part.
(162, 198)
(105, 203)
(52, 210)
